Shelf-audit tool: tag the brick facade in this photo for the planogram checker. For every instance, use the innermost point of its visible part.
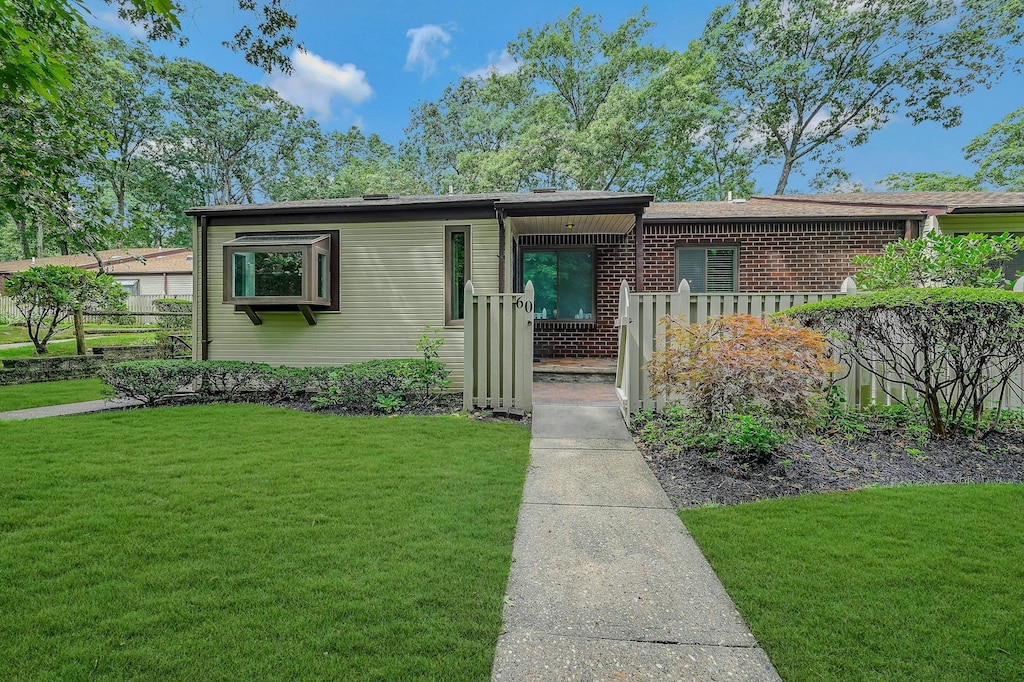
(796, 256)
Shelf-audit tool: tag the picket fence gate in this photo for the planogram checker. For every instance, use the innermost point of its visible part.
(498, 361)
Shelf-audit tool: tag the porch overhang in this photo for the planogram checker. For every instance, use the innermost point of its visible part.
(567, 214)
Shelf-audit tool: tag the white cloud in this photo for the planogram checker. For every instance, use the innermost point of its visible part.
(314, 82)
(501, 64)
(109, 20)
(426, 48)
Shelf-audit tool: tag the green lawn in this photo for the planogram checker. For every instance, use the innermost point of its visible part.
(911, 583)
(68, 347)
(242, 542)
(23, 396)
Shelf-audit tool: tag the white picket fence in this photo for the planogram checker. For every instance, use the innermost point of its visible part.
(136, 304)
(499, 351)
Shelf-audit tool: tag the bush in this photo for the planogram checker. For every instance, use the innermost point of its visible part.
(374, 386)
(177, 321)
(679, 428)
(740, 364)
(955, 348)
(150, 380)
(227, 379)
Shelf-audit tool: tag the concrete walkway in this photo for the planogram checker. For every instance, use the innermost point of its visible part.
(70, 408)
(606, 582)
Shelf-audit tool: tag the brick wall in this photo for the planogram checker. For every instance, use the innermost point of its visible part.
(772, 257)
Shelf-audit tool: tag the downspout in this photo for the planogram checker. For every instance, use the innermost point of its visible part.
(639, 230)
(204, 326)
(501, 249)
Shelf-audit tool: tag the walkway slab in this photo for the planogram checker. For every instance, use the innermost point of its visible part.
(617, 573)
(618, 478)
(574, 421)
(580, 659)
(71, 408)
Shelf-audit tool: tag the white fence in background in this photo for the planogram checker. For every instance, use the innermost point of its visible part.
(136, 304)
(499, 351)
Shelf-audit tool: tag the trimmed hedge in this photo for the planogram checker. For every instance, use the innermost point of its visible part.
(372, 386)
(957, 348)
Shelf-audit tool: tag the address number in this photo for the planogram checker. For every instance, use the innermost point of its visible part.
(523, 304)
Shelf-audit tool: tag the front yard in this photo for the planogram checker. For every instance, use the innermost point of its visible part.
(909, 583)
(243, 542)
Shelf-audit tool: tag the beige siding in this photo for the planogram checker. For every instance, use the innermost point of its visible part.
(392, 286)
(178, 285)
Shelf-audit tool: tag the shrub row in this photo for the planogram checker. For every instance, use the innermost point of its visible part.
(372, 386)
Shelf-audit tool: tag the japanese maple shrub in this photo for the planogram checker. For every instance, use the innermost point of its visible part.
(774, 373)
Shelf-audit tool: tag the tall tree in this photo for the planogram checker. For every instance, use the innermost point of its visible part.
(33, 33)
(931, 182)
(346, 164)
(586, 109)
(999, 153)
(136, 116)
(231, 137)
(816, 76)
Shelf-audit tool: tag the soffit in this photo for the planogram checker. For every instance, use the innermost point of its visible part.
(612, 223)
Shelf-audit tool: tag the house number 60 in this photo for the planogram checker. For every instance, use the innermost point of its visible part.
(524, 304)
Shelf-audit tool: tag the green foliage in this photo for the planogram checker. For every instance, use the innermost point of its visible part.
(378, 385)
(588, 108)
(812, 77)
(999, 153)
(47, 296)
(431, 374)
(174, 305)
(678, 428)
(741, 364)
(150, 380)
(944, 260)
(954, 348)
(931, 182)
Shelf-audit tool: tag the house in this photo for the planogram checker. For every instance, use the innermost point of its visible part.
(344, 280)
(143, 271)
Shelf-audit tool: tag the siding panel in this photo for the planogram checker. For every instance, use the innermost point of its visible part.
(391, 288)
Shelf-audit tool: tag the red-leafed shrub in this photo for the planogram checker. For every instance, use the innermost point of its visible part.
(744, 365)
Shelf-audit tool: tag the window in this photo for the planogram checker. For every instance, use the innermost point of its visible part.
(456, 272)
(130, 286)
(708, 269)
(278, 269)
(563, 283)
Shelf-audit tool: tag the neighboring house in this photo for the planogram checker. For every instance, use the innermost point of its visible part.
(143, 271)
(344, 280)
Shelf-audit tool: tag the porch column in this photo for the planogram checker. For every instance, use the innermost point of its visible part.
(638, 230)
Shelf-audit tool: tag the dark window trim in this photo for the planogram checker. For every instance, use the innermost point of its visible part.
(334, 266)
(690, 246)
(449, 313)
(523, 250)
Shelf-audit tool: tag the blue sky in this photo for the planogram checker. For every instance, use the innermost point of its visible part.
(368, 63)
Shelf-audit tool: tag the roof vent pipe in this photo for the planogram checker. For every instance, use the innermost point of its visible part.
(728, 196)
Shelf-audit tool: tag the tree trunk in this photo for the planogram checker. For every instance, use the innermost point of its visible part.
(22, 226)
(787, 168)
(39, 238)
(79, 332)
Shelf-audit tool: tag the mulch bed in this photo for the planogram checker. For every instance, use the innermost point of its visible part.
(885, 457)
